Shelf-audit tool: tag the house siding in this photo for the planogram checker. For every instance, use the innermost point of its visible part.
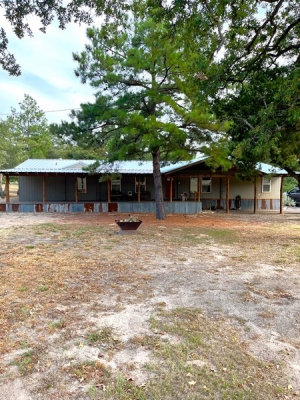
(31, 188)
(56, 188)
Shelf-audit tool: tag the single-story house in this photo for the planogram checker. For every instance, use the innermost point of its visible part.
(56, 185)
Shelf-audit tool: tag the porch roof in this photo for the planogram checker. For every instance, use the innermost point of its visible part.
(60, 166)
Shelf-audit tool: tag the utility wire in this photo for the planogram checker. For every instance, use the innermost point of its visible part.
(49, 111)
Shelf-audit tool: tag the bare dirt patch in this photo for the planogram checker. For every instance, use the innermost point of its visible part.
(77, 299)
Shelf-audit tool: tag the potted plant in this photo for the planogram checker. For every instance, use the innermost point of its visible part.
(128, 226)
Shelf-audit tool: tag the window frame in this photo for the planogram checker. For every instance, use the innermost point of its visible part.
(81, 184)
(116, 184)
(210, 184)
(264, 183)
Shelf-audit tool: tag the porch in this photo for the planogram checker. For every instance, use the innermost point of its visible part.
(64, 186)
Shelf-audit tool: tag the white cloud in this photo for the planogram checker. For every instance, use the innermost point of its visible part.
(47, 70)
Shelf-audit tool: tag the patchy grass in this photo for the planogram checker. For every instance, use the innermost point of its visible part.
(93, 372)
(105, 335)
(200, 360)
(26, 362)
(76, 306)
(56, 325)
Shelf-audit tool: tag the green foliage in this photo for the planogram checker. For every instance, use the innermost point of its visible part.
(265, 116)
(76, 140)
(10, 149)
(289, 183)
(143, 103)
(288, 201)
(254, 81)
(147, 99)
(25, 134)
(29, 120)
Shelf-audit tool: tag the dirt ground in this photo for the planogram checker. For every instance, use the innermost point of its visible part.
(240, 267)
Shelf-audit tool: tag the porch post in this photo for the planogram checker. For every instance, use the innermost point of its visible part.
(227, 194)
(281, 200)
(139, 189)
(171, 189)
(44, 188)
(255, 196)
(76, 189)
(7, 189)
(1, 180)
(108, 191)
(199, 188)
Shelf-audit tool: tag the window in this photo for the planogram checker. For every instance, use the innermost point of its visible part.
(81, 185)
(206, 185)
(266, 185)
(194, 185)
(142, 184)
(116, 185)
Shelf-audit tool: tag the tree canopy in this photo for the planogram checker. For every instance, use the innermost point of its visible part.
(265, 114)
(24, 134)
(253, 33)
(255, 82)
(147, 85)
(243, 56)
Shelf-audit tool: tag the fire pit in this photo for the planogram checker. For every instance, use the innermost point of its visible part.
(128, 226)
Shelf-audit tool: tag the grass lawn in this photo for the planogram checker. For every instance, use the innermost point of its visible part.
(199, 307)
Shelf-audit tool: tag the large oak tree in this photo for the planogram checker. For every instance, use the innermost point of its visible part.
(256, 82)
(265, 115)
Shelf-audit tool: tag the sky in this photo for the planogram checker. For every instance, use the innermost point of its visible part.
(47, 71)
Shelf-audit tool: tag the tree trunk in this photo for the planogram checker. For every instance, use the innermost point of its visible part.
(159, 198)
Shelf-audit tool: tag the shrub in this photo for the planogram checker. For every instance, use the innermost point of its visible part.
(288, 201)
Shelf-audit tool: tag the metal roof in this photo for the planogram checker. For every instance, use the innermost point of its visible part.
(77, 166)
(127, 167)
(47, 165)
(171, 167)
(60, 166)
(269, 169)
